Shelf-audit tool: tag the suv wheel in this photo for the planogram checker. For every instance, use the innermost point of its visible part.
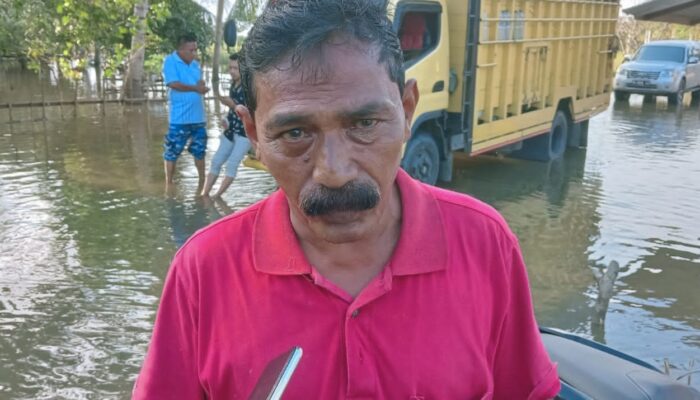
(696, 95)
(677, 98)
(621, 96)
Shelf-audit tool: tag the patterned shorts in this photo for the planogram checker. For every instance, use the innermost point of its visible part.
(177, 137)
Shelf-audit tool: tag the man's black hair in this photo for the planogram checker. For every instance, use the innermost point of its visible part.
(293, 28)
(233, 57)
(185, 38)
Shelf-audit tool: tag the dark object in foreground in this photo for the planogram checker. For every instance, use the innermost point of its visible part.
(276, 376)
(230, 33)
(590, 370)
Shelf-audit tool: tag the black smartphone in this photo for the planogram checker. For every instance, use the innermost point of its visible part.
(276, 375)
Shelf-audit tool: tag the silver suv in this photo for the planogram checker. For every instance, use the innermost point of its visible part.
(662, 68)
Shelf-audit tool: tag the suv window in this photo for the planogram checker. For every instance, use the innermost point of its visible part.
(661, 53)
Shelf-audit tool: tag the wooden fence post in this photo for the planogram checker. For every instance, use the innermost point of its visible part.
(60, 101)
(43, 96)
(75, 101)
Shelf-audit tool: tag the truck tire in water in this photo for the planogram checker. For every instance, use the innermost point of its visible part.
(578, 134)
(422, 158)
(548, 146)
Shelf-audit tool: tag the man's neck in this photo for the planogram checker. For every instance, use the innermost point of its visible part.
(181, 58)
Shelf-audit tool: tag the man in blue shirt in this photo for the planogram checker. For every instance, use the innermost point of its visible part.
(183, 77)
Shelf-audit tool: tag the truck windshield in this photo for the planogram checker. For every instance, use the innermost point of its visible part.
(661, 53)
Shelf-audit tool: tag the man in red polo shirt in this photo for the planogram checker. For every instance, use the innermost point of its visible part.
(394, 289)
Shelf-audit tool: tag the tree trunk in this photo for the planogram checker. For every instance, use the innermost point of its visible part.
(133, 84)
(98, 70)
(218, 33)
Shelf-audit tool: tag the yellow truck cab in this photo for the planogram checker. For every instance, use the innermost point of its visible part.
(517, 76)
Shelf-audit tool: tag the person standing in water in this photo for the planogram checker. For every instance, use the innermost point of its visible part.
(233, 143)
(187, 124)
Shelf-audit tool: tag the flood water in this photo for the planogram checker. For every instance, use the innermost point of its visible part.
(87, 232)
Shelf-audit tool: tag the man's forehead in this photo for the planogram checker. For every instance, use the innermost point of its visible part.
(324, 61)
(331, 66)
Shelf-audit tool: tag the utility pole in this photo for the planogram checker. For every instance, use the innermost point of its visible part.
(217, 47)
(133, 84)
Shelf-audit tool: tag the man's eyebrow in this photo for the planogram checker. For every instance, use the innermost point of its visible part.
(368, 109)
(296, 118)
(286, 119)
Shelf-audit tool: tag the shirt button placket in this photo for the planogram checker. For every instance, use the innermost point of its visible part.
(360, 377)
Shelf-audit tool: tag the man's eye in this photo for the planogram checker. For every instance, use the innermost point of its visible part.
(365, 123)
(293, 134)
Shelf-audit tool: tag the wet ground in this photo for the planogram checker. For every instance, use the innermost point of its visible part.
(86, 235)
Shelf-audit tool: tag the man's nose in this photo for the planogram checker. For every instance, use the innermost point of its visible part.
(333, 164)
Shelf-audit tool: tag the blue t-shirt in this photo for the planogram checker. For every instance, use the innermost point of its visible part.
(185, 107)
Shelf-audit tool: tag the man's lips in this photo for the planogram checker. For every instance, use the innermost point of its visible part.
(340, 217)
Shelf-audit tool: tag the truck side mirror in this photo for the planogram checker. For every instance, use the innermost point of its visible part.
(693, 60)
(626, 58)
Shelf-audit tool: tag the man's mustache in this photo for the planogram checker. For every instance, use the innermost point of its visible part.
(353, 196)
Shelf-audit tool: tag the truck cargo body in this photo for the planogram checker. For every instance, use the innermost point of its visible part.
(518, 76)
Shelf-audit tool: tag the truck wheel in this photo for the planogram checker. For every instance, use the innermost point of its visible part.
(621, 96)
(677, 98)
(548, 146)
(422, 158)
(578, 134)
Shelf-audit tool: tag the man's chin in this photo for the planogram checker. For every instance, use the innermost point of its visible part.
(339, 228)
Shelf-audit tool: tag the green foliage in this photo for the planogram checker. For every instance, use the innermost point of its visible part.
(12, 42)
(154, 63)
(245, 11)
(69, 32)
(180, 17)
(633, 34)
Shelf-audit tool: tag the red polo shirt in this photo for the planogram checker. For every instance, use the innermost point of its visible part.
(450, 316)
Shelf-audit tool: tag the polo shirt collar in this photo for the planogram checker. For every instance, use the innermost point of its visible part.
(180, 60)
(422, 245)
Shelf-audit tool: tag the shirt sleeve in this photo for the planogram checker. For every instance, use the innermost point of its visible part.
(169, 71)
(522, 368)
(170, 369)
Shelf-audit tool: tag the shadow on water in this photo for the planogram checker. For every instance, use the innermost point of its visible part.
(496, 179)
(608, 234)
(188, 216)
(554, 214)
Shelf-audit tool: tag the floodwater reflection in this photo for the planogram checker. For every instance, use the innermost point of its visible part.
(631, 199)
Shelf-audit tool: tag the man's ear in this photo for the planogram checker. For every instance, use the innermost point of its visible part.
(249, 125)
(409, 102)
